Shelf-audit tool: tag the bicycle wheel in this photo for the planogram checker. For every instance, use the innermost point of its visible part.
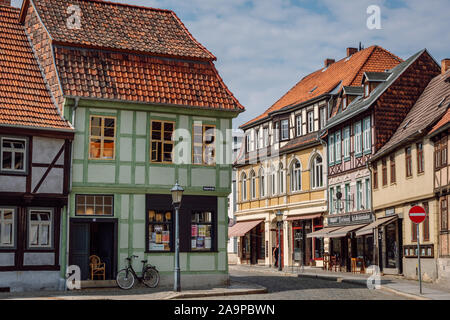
(125, 279)
(151, 277)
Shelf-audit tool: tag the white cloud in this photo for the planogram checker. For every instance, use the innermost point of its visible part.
(265, 46)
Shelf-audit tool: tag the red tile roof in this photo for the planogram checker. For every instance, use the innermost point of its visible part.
(444, 120)
(122, 27)
(141, 78)
(24, 97)
(349, 71)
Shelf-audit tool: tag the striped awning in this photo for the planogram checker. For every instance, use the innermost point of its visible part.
(241, 228)
(369, 228)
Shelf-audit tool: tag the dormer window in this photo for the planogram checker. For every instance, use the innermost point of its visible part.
(366, 90)
(344, 102)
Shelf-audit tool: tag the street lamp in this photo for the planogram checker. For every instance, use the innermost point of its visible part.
(177, 194)
(279, 216)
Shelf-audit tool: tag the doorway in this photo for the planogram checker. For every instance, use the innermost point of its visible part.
(93, 237)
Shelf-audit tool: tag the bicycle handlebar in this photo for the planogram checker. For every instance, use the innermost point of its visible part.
(133, 256)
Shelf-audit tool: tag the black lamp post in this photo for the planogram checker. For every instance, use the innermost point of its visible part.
(279, 222)
(177, 194)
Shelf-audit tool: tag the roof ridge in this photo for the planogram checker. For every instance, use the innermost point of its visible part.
(127, 5)
(364, 63)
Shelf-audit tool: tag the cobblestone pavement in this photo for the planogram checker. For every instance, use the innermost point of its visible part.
(285, 287)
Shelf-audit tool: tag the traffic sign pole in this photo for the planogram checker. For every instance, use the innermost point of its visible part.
(418, 258)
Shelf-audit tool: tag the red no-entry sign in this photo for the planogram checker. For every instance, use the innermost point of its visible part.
(417, 214)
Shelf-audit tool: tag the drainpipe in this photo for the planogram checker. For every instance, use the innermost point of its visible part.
(77, 100)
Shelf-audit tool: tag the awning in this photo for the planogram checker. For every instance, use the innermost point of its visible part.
(345, 230)
(304, 217)
(322, 232)
(241, 228)
(369, 228)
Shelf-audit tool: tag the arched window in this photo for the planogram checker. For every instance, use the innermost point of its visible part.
(317, 172)
(281, 179)
(253, 184)
(244, 187)
(262, 183)
(273, 181)
(296, 176)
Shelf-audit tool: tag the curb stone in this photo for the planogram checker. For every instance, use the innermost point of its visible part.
(235, 292)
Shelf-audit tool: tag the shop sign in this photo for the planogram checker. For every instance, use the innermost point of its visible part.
(207, 188)
(366, 217)
(390, 212)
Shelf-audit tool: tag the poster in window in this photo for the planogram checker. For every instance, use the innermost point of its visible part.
(151, 215)
(156, 246)
(207, 243)
(153, 238)
(194, 244)
(165, 237)
(168, 216)
(201, 230)
(208, 231)
(158, 238)
(200, 243)
(159, 217)
(194, 230)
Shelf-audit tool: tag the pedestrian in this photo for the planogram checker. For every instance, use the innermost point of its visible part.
(275, 255)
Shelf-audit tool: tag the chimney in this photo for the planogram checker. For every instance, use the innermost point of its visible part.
(328, 61)
(351, 51)
(445, 65)
(5, 3)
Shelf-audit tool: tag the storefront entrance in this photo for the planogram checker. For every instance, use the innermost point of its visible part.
(306, 250)
(93, 237)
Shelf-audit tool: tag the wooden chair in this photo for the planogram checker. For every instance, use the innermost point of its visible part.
(362, 268)
(354, 265)
(97, 267)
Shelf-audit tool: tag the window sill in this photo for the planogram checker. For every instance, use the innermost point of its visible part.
(13, 173)
(367, 152)
(358, 155)
(420, 173)
(347, 159)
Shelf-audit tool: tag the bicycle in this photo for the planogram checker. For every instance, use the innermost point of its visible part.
(126, 277)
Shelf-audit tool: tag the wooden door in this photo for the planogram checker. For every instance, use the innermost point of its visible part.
(79, 248)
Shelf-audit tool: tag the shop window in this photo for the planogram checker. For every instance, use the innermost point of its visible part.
(201, 231)
(384, 171)
(204, 144)
(159, 230)
(162, 141)
(102, 139)
(40, 229)
(392, 162)
(391, 246)
(420, 160)
(408, 160)
(13, 155)
(7, 227)
(94, 205)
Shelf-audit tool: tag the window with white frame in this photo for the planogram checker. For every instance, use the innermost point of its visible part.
(247, 143)
(257, 139)
(310, 121)
(276, 129)
(338, 202)
(298, 125)
(244, 187)
(253, 184)
(347, 197)
(337, 138)
(281, 179)
(323, 117)
(346, 142)
(273, 181)
(367, 135)
(359, 195)
(284, 129)
(296, 176)
(344, 103)
(266, 136)
(40, 228)
(260, 138)
(13, 154)
(317, 172)
(358, 142)
(262, 183)
(331, 209)
(331, 148)
(368, 194)
(7, 227)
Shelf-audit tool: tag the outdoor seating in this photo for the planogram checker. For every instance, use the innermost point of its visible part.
(97, 267)
(334, 264)
(326, 261)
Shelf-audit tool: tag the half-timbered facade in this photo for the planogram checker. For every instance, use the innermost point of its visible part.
(439, 134)
(35, 150)
(283, 162)
(354, 134)
(148, 111)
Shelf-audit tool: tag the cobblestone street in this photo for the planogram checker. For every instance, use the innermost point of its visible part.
(284, 287)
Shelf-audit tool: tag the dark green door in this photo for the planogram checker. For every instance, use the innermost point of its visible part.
(80, 247)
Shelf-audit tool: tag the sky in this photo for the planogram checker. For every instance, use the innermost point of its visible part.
(264, 47)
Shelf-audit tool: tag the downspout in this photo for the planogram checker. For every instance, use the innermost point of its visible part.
(77, 100)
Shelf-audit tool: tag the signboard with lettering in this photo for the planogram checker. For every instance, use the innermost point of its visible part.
(351, 218)
(207, 188)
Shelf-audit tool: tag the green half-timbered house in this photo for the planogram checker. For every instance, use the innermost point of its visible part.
(149, 109)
